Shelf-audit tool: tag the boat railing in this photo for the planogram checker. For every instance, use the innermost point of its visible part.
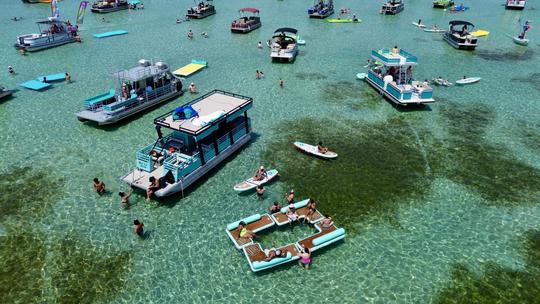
(181, 165)
(408, 56)
(155, 93)
(239, 131)
(381, 55)
(145, 161)
(248, 100)
(208, 151)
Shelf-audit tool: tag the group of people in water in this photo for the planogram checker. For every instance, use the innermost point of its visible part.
(190, 34)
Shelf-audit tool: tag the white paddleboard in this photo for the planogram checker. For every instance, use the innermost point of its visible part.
(418, 25)
(519, 41)
(434, 30)
(468, 80)
(249, 183)
(313, 150)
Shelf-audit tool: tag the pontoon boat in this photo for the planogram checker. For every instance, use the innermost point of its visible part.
(443, 3)
(395, 80)
(321, 9)
(392, 7)
(203, 9)
(515, 4)
(52, 32)
(461, 38)
(109, 6)
(203, 134)
(245, 23)
(138, 88)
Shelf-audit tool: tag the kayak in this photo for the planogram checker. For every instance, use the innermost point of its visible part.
(343, 20)
(418, 25)
(250, 184)
(468, 80)
(480, 33)
(310, 149)
(520, 41)
(434, 30)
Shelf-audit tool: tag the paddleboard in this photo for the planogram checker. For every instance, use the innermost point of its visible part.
(313, 150)
(468, 80)
(519, 41)
(434, 30)
(361, 76)
(343, 20)
(249, 183)
(418, 25)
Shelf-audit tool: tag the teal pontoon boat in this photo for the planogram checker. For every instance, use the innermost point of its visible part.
(394, 79)
(203, 133)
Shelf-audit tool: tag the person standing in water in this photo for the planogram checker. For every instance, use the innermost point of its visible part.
(192, 88)
(68, 77)
(190, 35)
(281, 83)
(138, 228)
(11, 70)
(99, 186)
(259, 45)
(125, 198)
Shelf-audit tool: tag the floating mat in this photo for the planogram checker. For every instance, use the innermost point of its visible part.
(53, 77)
(35, 85)
(480, 33)
(109, 34)
(192, 68)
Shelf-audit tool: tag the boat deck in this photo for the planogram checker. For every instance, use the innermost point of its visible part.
(308, 242)
(209, 104)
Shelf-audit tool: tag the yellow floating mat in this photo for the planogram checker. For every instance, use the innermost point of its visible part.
(480, 33)
(192, 68)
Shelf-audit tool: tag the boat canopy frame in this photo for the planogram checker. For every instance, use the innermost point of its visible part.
(284, 30)
(460, 22)
(160, 121)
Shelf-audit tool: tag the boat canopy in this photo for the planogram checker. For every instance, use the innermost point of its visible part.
(140, 72)
(249, 10)
(54, 21)
(286, 30)
(460, 22)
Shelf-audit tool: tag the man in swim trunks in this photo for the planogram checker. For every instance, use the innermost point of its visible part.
(290, 197)
(153, 187)
(321, 148)
(138, 228)
(276, 207)
(99, 186)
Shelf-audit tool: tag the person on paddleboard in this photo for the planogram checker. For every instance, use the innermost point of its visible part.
(321, 148)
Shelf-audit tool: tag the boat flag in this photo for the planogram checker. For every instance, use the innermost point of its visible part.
(82, 10)
(55, 12)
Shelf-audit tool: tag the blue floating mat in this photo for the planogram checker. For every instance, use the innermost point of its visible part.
(53, 77)
(35, 85)
(109, 34)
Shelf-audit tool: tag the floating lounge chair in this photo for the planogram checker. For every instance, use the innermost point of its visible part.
(254, 223)
(324, 237)
(256, 256)
(301, 209)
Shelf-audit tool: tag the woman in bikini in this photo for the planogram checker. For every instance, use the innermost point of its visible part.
(245, 233)
(311, 205)
(305, 258)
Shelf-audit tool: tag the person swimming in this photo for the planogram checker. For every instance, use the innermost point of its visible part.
(259, 45)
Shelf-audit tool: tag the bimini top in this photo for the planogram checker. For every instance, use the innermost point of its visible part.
(51, 21)
(249, 10)
(286, 30)
(460, 22)
(213, 108)
(144, 70)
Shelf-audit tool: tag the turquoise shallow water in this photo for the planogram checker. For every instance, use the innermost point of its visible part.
(187, 256)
